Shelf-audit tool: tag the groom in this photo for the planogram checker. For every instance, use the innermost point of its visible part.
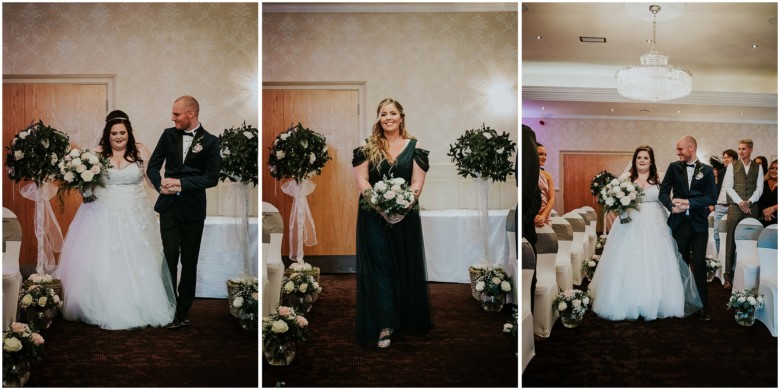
(693, 186)
(192, 162)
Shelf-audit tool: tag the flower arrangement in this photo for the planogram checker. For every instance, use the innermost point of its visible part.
(390, 196)
(284, 326)
(34, 153)
(600, 244)
(713, 264)
(510, 328)
(589, 266)
(598, 182)
(298, 153)
(21, 346)
(572, 305)
(238, 149)
(40, 304)
(482, 153)
(83, 171)
(245, 302)
(299, 290)
(493, 281)
(621, 196)
(746, 300)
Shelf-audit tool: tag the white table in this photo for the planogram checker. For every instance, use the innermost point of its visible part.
(220, 257)
(452, 242)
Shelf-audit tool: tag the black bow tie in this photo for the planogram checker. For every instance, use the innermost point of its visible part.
(690, 165)
(190, 134)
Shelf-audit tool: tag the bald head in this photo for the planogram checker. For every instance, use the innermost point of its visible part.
(686, 148)
(189, 103)
(185, 113)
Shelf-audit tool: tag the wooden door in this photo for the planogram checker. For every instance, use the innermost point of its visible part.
(578, 168)
(78, 110)
(334, 114)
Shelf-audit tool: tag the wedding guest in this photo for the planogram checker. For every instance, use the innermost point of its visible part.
(532, 199)
(392, 290)
(722, 206)
(546, 189)
(744, 184)
(761, 160)
(768, 201)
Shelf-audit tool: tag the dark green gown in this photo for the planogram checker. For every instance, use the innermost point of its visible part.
(392, 287)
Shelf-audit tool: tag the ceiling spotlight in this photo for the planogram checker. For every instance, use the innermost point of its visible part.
(755, 45)
(538, 37)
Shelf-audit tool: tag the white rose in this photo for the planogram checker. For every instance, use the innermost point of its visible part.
(576, 303)
(496, 280)
(374, 199)
(508, 328)
(95, 169)
(45, 143)
(619, 194)
(630, 187)
(47, 278)
(315, 286)
(27, 300)
(12, 344)
(396, 188)
(389, 195)
(18, 154)
(562, 306)
(87, 176)
(238, 302)
(68, 177)
(632, 195)
(284, 136)
(760, 299)
(303, 287)
(591, 264)
(225, 152)
(56, 299)
(609, 201)
(306, 266)
(752, 301)
(86, 155)
(399, 200)
(75, 162)
(487, 135)
(741, 299)
(312, 158)
(500, 150)
(279, 326)
(480, 286)
(506, 287)
(625, 200)
(23, 135)
(289, 286)
(585, 301)
(93, 160)
(466, 151)
(74, 153)
(398, 180)
(325, 149)
(305, 144)
(42, 301)
(248, 135)
(380, 186)
(280, 154)
(614, 182)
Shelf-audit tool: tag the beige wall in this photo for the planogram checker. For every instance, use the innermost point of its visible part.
(617, 135)
(451, 71)
(157, 51)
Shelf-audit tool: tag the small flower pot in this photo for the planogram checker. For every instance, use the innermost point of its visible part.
(745, 317)
(279, 354)
(16, 375)
(572, 320)
(492, 302)
(38, 319)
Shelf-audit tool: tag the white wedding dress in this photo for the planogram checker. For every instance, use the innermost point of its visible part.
(112, 267)
(640, 273)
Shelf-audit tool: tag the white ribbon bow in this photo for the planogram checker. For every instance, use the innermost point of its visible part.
(47, 230)
(301, 222)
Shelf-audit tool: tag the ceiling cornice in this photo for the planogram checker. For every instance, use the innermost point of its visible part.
(389, 7)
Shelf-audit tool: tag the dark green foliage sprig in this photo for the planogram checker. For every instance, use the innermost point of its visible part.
(483, 153)
(34, 153)
(298, 153)
(238, 149)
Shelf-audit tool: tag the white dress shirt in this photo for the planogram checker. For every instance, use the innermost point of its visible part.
(728, 182)
(187, 141)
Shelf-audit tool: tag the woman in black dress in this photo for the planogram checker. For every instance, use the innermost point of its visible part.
(768, 201)
(392, 289)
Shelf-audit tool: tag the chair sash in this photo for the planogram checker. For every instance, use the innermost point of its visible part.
(585, 216)
(562, 229)
(510, 221)
(748, 229)
(527, 255)
(272, 223)
(576, 222)
(768, 237)
(546, 240)
(12, 230)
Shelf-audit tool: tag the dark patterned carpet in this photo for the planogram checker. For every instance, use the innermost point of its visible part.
(213, 352)
(466, 348)
(662, 353)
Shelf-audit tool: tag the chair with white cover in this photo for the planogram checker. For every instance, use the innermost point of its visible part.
(511, 244)
(711, 249)
(746, 245)
(546, 291)
(273, 230)
(590, 231)
(767, 283)
(526, 317)
(722, 253)
(554, 213)
(12, 278)
(577, 245)
(563, 267)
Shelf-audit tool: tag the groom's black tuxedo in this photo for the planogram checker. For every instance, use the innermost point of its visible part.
(690, 231)
(182, 215)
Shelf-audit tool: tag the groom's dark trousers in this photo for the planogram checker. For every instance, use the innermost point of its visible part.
(693, 248)
(178, 233)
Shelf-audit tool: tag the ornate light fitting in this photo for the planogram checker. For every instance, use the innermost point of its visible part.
(654, 80)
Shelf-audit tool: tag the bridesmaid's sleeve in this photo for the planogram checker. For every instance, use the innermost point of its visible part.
(421, 158)
(358, 156)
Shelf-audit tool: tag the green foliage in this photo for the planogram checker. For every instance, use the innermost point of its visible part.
(298, 153)
(483, 153)
(34, 153)
(238, 149)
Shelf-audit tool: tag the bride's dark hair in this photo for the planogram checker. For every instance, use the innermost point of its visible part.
(652, 178)
(131, 151)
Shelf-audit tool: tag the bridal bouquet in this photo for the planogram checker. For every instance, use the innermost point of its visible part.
(299, 291)
(21, 348)
(589, 266)
(238, 149)
(298, 153)
(391, 196)
(572, 305)
(482, 153)
(598, 182)
(34, 153)
(82, 170)
(621, 196)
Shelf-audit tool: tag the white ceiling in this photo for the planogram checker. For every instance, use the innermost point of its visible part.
(732, 81)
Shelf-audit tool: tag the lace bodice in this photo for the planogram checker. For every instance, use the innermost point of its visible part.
(651, 194)
(130, 174)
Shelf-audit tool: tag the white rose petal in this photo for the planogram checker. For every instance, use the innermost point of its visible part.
(87, 176)
(238, 302)
(625, 200)
(284, 136)
(45, 143)
(280, 154)
(562, 306)
(312, 158)
(248, 135)
(506, 286)
(480, 286)
(18, 154)
(279, 327)
(12, 344)
(68, 177)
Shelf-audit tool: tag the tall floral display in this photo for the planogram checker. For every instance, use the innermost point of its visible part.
(485, 155)
(34, 155)
(238, 151)
(298, 154)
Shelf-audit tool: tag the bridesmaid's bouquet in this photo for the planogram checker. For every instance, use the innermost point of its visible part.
(82, 170)
(391, 196)
(620, 196)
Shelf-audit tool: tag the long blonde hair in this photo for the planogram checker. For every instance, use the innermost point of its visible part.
(377, 146)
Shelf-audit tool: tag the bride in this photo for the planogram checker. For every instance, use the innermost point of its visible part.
(112, 267)
(641, 273)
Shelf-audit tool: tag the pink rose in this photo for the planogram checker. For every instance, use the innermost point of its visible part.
(18, 327)
(285, 311)
(95, 169)
(37, 339)
(302, 322)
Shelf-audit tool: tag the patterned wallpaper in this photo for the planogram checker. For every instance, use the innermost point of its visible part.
(616, 135)
(451, 71)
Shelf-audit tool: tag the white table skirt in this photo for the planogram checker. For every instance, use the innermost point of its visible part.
(221, 258)
(452, 242)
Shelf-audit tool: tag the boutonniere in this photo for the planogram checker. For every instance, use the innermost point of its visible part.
(197, 147)
(697, 173)
(699, 176)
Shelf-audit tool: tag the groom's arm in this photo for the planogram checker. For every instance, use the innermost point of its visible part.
(156, 162)
(666, 189)
(210, 176)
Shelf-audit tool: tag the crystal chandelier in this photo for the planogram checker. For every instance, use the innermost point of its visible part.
(654, 80)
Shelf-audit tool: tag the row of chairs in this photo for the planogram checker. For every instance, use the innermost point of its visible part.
(272, 267)
(561, 248)
(12, 277)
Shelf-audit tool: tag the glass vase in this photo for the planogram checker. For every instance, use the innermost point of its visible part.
(745, 317)
(248, 321)
(279, 353)
(16, 374)
(300, 303)
(40, 319)
(492, 302)
(572, 320)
